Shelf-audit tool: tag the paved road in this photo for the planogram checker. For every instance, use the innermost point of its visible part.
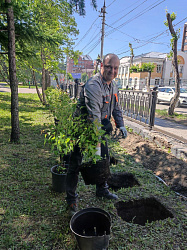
(6, 88)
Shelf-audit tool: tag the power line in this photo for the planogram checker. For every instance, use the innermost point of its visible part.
(96, 44)
(110, 4)
(135, 39)
(110, 32)
(129, 12)
(138, 15)
(96, 36)
(151, 39)
(124, 9)
(87, 32)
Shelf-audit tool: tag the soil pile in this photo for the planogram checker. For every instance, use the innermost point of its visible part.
(171, 170)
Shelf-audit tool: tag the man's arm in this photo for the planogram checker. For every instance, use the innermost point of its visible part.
(93, 99)
(117, 114)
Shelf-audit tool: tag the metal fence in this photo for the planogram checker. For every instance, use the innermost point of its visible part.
(139, 105)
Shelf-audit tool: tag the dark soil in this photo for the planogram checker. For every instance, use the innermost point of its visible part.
(171, 170)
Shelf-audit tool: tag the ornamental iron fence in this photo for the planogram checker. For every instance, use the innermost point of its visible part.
(139, 105)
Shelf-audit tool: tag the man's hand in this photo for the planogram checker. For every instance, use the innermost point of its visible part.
(123, 131)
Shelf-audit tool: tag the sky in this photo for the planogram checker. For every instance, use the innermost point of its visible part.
(139, 22)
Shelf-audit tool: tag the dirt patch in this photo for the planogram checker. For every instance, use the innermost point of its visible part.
(170, 169)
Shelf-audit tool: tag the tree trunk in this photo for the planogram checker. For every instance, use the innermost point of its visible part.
(43, 77)
(131, 62)
(57, 82)
(47, 79)
(43, 85)
(15, 132)
(37, 90)
(149, 81)
(175, 99)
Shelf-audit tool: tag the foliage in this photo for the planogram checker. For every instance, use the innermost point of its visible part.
(145, 67)
(70, 77)
(80, 6)
(44, 29)
(61, 169)
(176, 34)
(173, 17)
(84, 77)
(134, 68)
(70, 131)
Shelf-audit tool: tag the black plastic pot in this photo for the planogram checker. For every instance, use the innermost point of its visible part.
(95, 173)
(91, 227)
(58, 180)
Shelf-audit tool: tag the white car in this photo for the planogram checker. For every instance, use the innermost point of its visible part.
(165, 94)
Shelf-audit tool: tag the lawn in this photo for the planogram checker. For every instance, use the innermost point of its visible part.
(33, 216)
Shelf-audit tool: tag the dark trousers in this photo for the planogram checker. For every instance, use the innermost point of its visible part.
(73, 172)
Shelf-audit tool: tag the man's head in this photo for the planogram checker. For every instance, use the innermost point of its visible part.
(109, 67)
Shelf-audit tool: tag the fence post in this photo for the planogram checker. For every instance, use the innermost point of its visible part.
(153, 109)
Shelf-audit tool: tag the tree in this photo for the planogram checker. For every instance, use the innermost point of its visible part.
(145, 67)
(34, 27)
(148, 67)
(15, 132)
(174, 39)
(131, 61)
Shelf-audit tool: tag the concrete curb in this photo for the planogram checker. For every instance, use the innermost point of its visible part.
(178, 149)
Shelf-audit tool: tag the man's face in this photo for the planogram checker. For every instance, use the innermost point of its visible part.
(110, 68)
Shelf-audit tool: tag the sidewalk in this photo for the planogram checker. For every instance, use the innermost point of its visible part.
(6, 88)
(165, 134)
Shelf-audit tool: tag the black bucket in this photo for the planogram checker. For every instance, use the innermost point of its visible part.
(58, 180)
(91, 227)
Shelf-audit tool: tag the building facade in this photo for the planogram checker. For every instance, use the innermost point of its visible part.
(184, 39)
(163, 74)
(85, 65)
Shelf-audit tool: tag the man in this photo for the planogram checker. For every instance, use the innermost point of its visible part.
(99, 98)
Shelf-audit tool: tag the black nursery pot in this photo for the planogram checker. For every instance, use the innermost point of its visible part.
(95, 173)
(91, 227)
(58, 180)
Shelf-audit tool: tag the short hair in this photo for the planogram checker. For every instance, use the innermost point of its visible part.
(109, 54)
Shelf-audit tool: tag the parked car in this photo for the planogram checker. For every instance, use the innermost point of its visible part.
(165, 94)
(151, 88)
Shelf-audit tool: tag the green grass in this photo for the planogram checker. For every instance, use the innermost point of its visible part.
(32, 216)
(164, 113)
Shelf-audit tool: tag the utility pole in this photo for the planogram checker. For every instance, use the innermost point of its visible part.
(103, 10)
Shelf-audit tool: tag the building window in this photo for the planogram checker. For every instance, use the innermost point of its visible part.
(157, 81)
(159, 69)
